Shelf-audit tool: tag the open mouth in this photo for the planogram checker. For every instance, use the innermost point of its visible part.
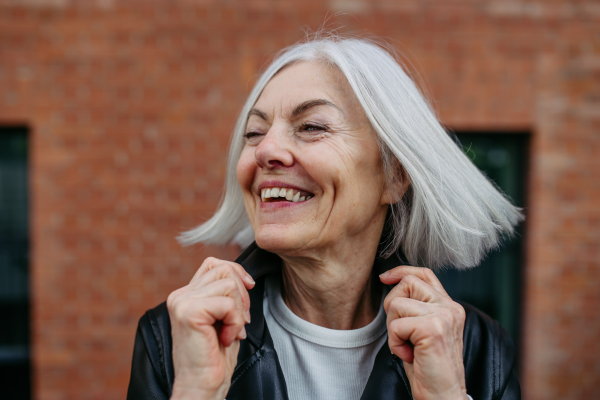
(276, 194)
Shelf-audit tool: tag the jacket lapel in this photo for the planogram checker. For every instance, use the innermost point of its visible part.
(258, 374)
(384, 382)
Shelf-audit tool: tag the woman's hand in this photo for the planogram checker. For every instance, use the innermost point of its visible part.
(425, 330)
(207, 323)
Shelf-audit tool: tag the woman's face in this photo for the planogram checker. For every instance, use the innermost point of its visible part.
(308, 134)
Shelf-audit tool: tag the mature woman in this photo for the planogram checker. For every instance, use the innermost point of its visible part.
(343, 176)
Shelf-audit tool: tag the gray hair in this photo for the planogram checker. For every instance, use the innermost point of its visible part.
(452, 215)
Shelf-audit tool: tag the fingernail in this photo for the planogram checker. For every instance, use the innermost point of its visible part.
(243, 333)
(248, 316)
(249, 279)
(384, 275)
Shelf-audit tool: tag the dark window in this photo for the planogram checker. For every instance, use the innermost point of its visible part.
(14, 264)
(495, 285)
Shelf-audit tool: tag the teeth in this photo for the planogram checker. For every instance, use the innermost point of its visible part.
(286, 193)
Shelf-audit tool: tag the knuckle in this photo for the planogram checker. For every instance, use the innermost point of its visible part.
(437, 327)
(227, 268)
(230, 285)
(429, 274)
(173, 296)
(460, 312)
(208, 263)
(408, 282)
(229, 303)
(396, 303)
(170, 300)
(181, 312)
(395, 325)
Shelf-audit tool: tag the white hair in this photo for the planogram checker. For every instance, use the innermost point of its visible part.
(452, 215)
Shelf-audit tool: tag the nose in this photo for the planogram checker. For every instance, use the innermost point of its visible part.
(274, 150)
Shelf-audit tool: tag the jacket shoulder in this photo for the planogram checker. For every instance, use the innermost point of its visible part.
(489, 357)
(152, 365)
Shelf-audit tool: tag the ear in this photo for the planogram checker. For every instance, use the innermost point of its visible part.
(396, 189)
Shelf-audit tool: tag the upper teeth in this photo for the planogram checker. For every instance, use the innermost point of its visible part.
(287, 193)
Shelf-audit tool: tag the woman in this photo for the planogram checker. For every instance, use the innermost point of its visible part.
(343, 172)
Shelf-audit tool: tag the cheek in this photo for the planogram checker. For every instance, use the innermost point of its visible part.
(350, 167)
(245, 169)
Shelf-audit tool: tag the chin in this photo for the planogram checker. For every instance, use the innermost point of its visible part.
(276, 241)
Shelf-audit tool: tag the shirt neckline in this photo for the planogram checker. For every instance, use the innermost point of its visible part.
(295, 325)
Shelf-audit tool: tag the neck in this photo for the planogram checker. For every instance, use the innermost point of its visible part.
(333, 292)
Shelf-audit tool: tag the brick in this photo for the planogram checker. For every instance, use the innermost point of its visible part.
(131, 105)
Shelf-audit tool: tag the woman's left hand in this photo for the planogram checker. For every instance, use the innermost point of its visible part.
(425, 329)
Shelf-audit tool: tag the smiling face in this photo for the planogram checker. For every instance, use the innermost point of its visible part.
(311, 171)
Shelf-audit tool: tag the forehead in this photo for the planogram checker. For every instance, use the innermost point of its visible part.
(304, 81)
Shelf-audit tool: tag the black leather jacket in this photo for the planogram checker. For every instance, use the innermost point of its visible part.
(489, 355)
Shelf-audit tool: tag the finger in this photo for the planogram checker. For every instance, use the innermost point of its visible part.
(211, 263)
(401, 307)
(227, 287)
(244, 276)
(400, 332)
(224, 309)
(395, 275)
(414, 288)
(220, 272)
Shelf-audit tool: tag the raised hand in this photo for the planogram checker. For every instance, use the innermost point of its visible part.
(207, 323)
(425, 330)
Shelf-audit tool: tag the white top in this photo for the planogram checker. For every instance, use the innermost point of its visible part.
(317, 362)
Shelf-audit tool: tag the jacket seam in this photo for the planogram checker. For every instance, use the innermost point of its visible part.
(505, 373)
(254, 342)
(495, 359)
(259, 354)
(159, 345)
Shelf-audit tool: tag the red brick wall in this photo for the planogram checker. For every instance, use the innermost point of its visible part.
(130, 108)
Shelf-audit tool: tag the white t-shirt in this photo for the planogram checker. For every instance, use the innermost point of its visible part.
(317, 362)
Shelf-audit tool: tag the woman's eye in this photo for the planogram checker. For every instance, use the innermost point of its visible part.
(312, 128)
(252, 134)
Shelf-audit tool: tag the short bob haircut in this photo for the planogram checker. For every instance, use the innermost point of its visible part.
(452, 215)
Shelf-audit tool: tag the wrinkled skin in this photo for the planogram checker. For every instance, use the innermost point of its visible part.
(308, 131)
(207, 323)
(425, 330)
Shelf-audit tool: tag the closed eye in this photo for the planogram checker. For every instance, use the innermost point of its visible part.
(251, 134)
(312, 128)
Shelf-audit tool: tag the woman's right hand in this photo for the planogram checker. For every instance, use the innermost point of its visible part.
(207, 322)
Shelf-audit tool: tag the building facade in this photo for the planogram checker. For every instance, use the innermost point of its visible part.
(129, 106)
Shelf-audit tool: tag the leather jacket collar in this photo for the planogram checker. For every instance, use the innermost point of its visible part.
(489, 354)
(258, 374)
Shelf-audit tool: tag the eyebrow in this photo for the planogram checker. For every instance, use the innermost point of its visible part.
(258, 113)
(300, 108)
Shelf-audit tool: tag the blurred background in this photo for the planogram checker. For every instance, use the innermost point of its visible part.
(114, 127)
